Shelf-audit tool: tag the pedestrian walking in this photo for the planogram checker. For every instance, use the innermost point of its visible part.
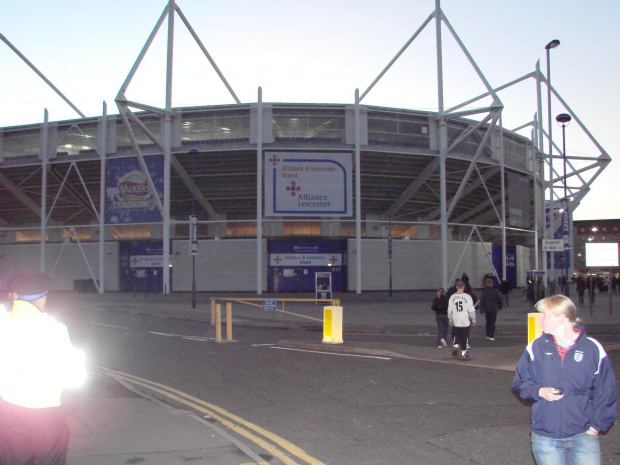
(570, 379)
(539, 288)
(505, 289)
(37, 361)
(440, 306)
(490, 304)
(461, 316)
(530, 293)
(581, 287)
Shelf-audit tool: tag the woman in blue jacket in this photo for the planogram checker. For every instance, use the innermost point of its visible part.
(571, 382)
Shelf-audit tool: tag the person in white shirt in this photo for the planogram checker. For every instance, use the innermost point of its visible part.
(462, 316)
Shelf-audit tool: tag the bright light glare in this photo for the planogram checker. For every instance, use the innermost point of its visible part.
(601, 254)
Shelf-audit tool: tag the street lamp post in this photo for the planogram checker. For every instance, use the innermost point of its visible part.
(193, 227)
(553, 44)
(563, 120)
(389, 192)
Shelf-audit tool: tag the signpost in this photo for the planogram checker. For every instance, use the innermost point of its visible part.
(553, 245)
(269, 305)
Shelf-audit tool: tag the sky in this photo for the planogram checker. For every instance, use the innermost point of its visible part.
(320, 52)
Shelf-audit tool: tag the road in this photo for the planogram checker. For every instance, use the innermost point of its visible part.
(339, 409)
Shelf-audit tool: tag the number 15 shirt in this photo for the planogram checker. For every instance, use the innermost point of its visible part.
(461, 310)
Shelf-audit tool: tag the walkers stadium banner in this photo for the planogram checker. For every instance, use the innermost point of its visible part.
(128, 196)
(308, 184)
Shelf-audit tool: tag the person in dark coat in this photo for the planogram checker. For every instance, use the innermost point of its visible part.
(570, 380)
(452, 290)
(440, 307)
(505, 290)
(581, 288)
(490, 304)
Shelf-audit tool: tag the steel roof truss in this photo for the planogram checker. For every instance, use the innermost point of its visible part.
(187, 181)
(90, 205)
(472, 164)
(466, 191)
(499, 217)
(134, 142)
(413, 187)
(19, 193)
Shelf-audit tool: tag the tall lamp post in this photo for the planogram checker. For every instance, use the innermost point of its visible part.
(553, 44)
(389, 192)
(193, 228)
(563, 120)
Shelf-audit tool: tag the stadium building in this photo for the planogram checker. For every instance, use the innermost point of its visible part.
(266, 197)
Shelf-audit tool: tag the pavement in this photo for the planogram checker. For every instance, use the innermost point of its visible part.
(114, 422)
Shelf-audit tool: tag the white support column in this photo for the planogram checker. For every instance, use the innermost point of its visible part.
(259, 194)
(503, 191)
(44, 151)
(535, 168)
(442, 130)
(167, 141)
(358, 201)
(549, 221)
(538, 170)
(103, 148)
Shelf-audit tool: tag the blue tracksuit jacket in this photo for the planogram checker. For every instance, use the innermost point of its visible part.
(585, 374)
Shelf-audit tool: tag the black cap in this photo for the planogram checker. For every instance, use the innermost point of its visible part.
(30, 286)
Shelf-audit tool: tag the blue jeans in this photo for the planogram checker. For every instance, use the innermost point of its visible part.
(581, 449)
(442, 327)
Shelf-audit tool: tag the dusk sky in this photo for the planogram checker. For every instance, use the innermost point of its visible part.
(320, 52)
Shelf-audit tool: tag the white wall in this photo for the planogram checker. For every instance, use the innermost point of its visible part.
(62, 264)
(524, 263)
(416, 264)
(228, 265)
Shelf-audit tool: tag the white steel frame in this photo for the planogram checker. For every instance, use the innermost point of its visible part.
(582, 178)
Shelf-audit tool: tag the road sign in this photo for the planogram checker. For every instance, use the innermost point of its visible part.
(269, 305)
(193, 235)
(553, 245)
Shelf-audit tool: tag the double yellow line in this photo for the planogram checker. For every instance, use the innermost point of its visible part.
(275, 445)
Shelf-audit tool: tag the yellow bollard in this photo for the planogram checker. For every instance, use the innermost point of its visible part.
(332, 325)
(534, 326)
(218, 323)
(212, 312)
(229, 321)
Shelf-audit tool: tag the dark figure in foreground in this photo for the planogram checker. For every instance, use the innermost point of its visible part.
(37, 361)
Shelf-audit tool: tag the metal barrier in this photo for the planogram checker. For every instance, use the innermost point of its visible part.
(216, 310)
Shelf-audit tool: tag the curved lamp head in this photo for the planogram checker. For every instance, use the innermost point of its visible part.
(553, 44)
(563, 119)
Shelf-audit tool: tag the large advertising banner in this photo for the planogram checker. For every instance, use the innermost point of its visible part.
(561, 260)
(141, 266)
(293, 265)
(308, 184)
(128, 196)
(511, 263)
